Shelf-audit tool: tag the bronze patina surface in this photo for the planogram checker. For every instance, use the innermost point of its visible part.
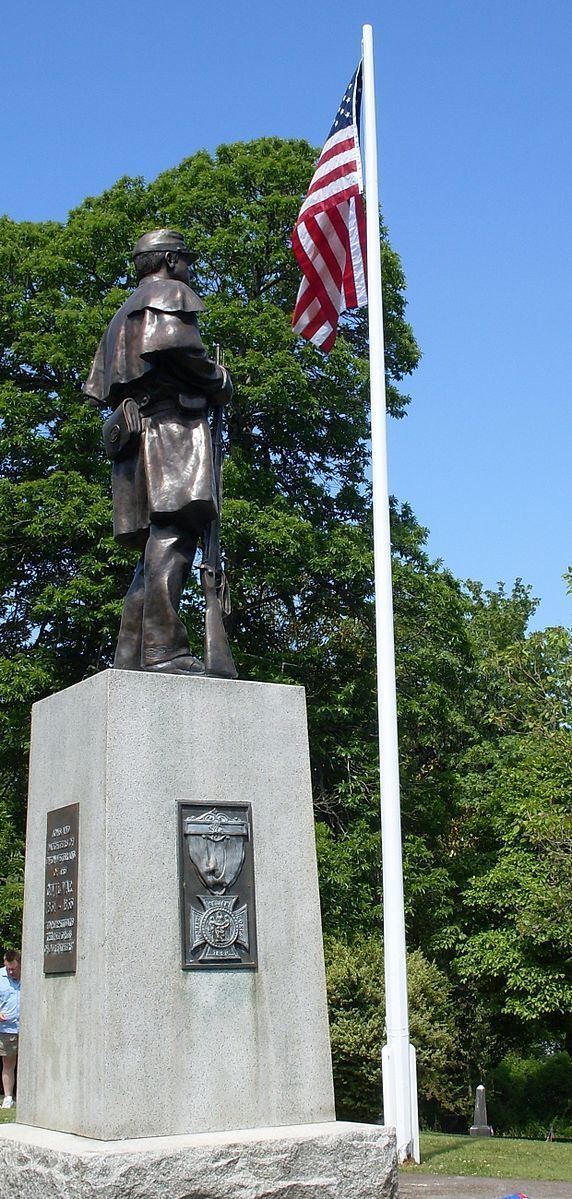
(218, 912)
(152, 369)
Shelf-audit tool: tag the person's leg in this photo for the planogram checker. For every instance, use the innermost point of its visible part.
(8, 1072)
(128, 648)
(169, 556)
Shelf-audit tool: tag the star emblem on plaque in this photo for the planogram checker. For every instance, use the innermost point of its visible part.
(217, 886)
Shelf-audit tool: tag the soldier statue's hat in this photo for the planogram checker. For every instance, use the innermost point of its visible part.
(161, 239)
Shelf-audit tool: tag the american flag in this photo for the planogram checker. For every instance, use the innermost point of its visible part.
(329, 235)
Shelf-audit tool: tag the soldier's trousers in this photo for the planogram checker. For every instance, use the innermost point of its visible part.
(151, 631)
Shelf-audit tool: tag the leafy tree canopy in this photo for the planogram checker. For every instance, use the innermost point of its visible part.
(296, 515)
(484, 708)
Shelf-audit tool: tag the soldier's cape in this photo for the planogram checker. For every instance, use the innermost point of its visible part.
(158, 316)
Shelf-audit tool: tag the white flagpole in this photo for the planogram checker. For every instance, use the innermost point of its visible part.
(398, 1057)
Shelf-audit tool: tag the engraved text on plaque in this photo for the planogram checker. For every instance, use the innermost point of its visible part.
(60, 895)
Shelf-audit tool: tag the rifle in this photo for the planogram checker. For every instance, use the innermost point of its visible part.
(218, 658)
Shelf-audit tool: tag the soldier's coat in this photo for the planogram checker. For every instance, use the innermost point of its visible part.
(152, 350)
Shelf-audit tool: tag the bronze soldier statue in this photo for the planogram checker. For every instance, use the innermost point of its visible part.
(152, 369)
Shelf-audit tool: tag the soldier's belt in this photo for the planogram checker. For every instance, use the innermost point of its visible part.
(175, 401)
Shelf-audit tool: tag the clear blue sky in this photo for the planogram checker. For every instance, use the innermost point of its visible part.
(474, 116)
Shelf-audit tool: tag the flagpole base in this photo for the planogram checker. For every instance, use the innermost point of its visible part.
(399, 1075)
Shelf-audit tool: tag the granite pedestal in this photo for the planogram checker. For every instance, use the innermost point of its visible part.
(131, 1045)
(315, 1161)
(133, 1071)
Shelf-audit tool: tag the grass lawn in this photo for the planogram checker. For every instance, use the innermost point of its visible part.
(7, 1116)
(495, 1157)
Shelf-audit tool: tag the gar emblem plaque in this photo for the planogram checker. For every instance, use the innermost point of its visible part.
(218, 914)
(222, 931)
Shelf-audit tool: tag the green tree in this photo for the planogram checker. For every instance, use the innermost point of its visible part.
(515, 846)
(356, 998)
(296, 517)
(484, 709)
(532, 1096)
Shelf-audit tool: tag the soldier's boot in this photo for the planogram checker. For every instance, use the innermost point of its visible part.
(186, 664)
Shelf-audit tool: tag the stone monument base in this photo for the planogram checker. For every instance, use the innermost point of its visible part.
(303, 1161)
(131, 1044)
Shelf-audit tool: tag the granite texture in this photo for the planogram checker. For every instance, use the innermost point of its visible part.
(333, 1161)
(132, 1045)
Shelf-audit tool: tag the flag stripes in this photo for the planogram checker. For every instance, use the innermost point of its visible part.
(329, 235)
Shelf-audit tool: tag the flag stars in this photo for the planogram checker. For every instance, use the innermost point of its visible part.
(344, 115)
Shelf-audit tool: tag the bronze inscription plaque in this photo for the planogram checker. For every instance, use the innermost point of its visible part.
(60, 894)
(218, 913)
